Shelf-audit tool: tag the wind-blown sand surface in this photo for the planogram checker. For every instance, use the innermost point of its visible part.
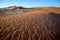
(31, 25)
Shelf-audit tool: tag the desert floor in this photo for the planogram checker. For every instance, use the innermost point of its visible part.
(35, 24)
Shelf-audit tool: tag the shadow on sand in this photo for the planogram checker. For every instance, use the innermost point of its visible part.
(55, 17)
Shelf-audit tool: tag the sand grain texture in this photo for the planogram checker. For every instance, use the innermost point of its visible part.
(30, 26)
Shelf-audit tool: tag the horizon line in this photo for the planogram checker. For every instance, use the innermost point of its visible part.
(30, 7)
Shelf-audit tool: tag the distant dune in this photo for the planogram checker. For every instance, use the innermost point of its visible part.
(47, 9)
(31, 24)
(14, 10)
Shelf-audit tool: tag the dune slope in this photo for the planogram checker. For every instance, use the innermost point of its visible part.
(30, 26)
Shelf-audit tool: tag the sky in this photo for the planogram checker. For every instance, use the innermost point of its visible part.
(29, 3)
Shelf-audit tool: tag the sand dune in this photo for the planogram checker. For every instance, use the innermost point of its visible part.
(35, 24)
